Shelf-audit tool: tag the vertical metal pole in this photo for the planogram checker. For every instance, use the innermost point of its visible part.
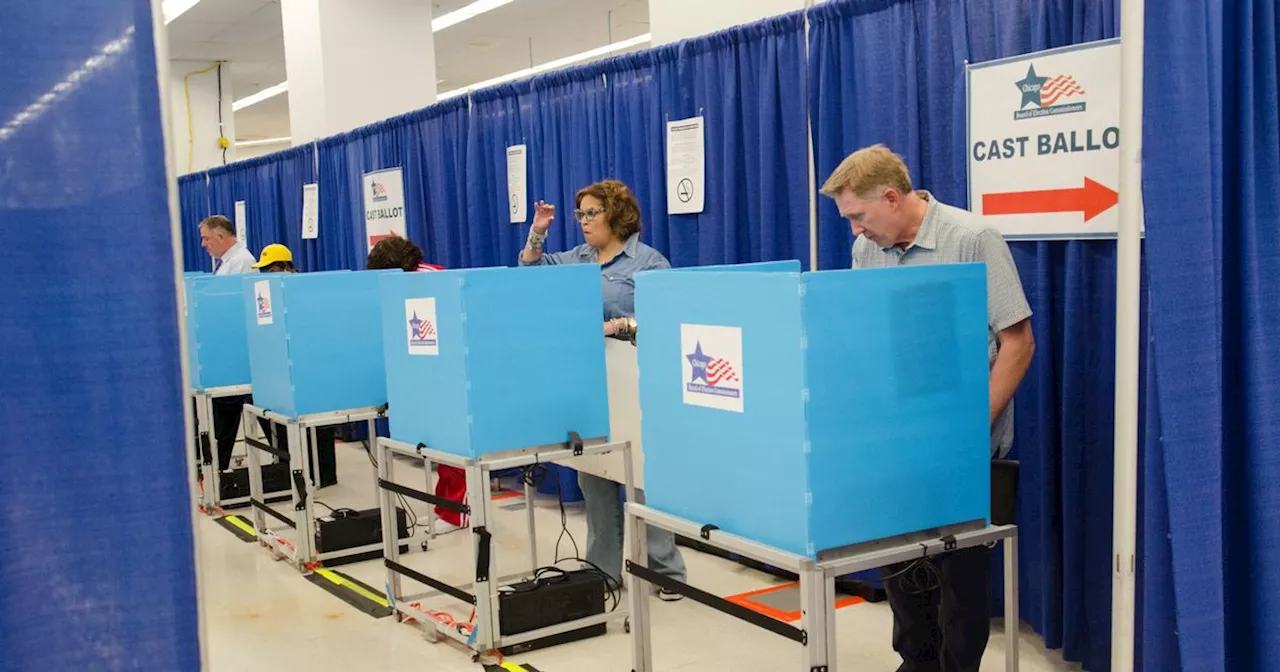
(486, 593)
(255, 487)
(637, 589)
(208, 494)
(813, 170)
(533, 527)
(313, 473)
(213, 484)
(1128, 292)
(304, 517)
(427, 467)
(813, 615)
(386, 508)
(1011, 622)
(829, 590)
(373, 438)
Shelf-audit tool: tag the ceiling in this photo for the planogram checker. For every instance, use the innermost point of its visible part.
(249, 34)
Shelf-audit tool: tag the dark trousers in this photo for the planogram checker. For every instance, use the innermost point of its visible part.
(955, 618)
(226, 424)
(227, 412)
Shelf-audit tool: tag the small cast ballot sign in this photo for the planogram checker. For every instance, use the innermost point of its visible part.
(383, 204)
(1043, 142)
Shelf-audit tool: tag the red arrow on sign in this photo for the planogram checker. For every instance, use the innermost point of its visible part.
(1092, 199)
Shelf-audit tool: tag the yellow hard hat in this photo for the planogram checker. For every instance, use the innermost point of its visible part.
(273, 253)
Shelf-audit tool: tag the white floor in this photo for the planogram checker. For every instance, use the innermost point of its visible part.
(260, 614)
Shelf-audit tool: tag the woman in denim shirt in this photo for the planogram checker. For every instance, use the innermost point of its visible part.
(610, 218)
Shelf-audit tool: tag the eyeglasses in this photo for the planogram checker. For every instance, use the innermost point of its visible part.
(584, 215)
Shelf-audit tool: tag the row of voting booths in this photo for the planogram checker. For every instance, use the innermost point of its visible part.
(823, 423)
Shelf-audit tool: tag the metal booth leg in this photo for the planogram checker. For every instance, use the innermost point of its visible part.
(387, 508)
(636, 553)
(1011, 622)
(482, 551)
(532, 524)
(256, 488)
(303, 492)
(427, 467)
(814, 614)
(204, 458)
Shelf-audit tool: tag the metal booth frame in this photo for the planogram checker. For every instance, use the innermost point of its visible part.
(210, 493)
(816, 632)
(301, 551)
(486, 635)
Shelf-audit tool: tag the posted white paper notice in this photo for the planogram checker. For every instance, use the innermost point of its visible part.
(262, 301)
(686, 166)
(517, 183)
(712, 366)
(310, 211)
(420, 322)
(383, 204)
(241, 224)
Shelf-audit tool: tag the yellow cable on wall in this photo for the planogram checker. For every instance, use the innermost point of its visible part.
(186, 97)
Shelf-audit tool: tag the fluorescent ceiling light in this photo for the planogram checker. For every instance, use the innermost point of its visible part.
(469, 12)
(264, 141)
(552, 65)
(172, 9)
(260, 96)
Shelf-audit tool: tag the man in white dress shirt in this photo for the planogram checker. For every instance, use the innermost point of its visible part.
(230, 257)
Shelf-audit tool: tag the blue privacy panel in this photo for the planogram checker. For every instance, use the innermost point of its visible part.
(217, 346)
(315, 341)
(813, 411)
(489, 360)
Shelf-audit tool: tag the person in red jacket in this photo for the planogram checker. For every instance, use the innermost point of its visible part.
(395, 251)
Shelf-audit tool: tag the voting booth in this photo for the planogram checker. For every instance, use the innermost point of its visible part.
(489, 370)
(217, 366)
(813, 411)
(315, 341)
(495, 359)
(315, 360)
(217, 346)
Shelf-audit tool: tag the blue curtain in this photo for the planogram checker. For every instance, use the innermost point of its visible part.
(193, 207)
(748, 85)
(97, 567)
(429, 145)
(253, 181)
(341, 208)
(500, 117)
(1211, 145)
(293, 168)
(440, 134)
(570, 129)
(893, 72)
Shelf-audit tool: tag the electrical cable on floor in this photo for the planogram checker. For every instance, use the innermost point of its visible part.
(533, 475)
(413, 519)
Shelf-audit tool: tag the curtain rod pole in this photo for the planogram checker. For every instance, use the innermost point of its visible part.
(1128, 295)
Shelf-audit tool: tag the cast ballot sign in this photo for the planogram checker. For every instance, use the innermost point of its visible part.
(383, 204)
(1044, 139)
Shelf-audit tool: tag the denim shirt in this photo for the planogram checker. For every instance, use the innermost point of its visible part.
(618, 277)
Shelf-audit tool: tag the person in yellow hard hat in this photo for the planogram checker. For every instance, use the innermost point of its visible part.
(275, 258)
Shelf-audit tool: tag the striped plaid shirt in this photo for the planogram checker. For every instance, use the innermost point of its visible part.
(950, 235)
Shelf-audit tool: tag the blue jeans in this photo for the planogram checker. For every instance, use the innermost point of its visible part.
(605, 532)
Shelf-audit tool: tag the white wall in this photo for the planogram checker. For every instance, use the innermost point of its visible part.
(201, 143)
(252, 151)
(355, 62)
(674, 20)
